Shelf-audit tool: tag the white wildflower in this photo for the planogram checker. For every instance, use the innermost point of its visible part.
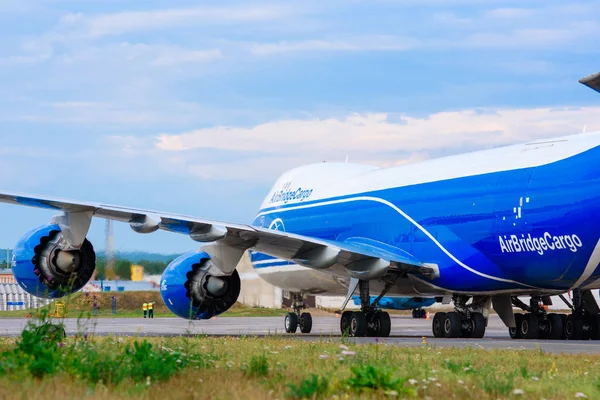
(518, 392)
(344, 347)
(461, 382)
(323, 356)
(580, 395)
(413, 381)
(348, 353)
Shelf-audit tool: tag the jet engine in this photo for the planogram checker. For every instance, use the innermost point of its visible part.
(192, 287)
(45, 265)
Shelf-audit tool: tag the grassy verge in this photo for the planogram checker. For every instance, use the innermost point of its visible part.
(129, 305)
(39, 366)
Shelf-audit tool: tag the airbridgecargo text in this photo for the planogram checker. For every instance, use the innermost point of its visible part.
(286, 195)
(546, 242)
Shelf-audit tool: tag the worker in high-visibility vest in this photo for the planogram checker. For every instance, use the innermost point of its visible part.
(150, 310)
(145, 309)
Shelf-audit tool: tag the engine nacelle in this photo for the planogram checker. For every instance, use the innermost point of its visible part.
(44, 267)
(190, 290)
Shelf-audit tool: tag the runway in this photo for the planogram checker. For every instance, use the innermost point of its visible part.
(406, 331)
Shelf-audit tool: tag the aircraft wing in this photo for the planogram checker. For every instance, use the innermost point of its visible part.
(361, 260)
(592, 81)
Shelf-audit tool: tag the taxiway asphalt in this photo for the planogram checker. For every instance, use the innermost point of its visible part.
(406, 331)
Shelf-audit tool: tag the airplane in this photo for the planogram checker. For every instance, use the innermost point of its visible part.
(475, 230)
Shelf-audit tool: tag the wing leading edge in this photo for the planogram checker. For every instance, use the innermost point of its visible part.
(361, 259)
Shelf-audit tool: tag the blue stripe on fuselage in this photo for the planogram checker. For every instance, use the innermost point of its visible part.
(472, 218)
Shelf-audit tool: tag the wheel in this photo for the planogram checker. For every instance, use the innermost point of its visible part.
(530, 327)
(515, 333)
(574, 328)
(437, 326)
(305, 322)
(345, 322)
(596, 327)
(478, 321)
(382, 324)
(291, 322)
(358, 324)
(452, 325)
(557, 328)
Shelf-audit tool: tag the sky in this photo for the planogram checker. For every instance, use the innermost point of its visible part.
(197, 107)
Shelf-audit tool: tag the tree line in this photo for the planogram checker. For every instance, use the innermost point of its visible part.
(122, 268)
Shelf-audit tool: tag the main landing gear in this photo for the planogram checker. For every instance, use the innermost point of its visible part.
(582, 324)
(369, 321)
(297, 318)
(537, 323)
(465, 322)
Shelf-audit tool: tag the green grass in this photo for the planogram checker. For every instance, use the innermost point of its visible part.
(38, 366)
(129, 306)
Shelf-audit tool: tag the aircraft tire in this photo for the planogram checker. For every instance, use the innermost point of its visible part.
(358, 324)
(437, 325)
(557, 327)
(596, 327)
(478, 321)
(291, 322)
(530, 327)
(305, 322)
(574, 328)
(515, 333)
(382, 324)
(345, 322)
(452, 325)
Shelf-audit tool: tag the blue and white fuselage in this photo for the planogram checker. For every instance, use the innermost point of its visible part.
(516, 219)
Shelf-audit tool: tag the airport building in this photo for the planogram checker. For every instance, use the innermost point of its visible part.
(13, 297)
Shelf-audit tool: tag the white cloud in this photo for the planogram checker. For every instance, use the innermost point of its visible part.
(509, 13)
(534, 38)
(179, 56)
(155, 55)
(366, 135)
(357, 43)
(266, 150)
(135, 21)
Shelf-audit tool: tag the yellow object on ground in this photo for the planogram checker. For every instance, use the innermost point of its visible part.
(137, 273)
(59, 310)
